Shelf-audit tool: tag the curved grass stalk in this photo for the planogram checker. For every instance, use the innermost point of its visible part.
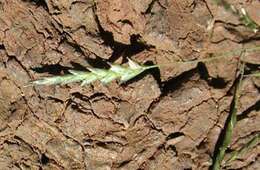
(218, 56)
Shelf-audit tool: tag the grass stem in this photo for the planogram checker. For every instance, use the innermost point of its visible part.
(216, 56)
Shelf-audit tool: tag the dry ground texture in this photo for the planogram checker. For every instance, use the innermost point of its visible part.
(169, 117)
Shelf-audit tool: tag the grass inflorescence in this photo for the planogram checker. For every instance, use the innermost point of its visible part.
(105, 76)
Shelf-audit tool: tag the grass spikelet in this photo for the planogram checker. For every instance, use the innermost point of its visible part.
(105, 76)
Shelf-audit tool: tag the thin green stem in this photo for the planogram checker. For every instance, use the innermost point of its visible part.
(215, 56)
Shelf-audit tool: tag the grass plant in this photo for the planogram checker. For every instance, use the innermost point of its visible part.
(124, 73)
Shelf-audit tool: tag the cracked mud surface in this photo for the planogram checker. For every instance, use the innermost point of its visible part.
(164, 119)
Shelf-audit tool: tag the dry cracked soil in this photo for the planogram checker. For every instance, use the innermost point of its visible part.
(167, 118)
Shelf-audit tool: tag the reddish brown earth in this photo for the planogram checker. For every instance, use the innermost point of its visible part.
(164, 119)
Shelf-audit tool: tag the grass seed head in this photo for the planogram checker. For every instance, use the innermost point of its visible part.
(105, 76)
